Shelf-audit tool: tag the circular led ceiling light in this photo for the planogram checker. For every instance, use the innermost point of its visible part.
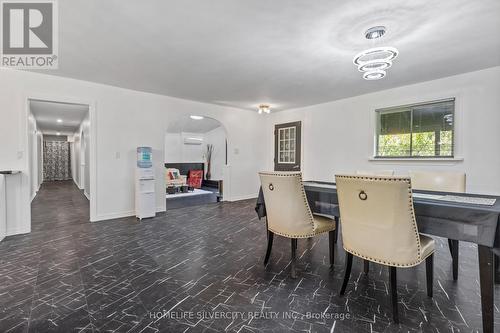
(374, 65)
(373, 62)
(377, 53)
(374, 75)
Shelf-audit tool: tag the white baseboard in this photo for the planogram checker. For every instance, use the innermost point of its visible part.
(19, 231)
(86, 195)
(243, 197)
(112, 216)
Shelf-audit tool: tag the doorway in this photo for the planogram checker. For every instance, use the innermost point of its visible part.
(287, 146)
(195, 162)
(59, 154)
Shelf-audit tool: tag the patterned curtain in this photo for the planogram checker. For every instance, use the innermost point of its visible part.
(56, 161)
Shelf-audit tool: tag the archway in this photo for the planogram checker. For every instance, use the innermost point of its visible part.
(196, 161)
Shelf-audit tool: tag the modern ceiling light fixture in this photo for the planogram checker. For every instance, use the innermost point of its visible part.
(196, 117)
(374, 75)
(374, 61)
(264, 108)
(375, 32)
(59, 120)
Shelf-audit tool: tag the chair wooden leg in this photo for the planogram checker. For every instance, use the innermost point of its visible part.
(270, 236)
(454, 257)
(450, 246)
(331, 242)
(367, 266)
(429, 272)
(294, 257)
(394, 294)
(337, 220)
(347, 272)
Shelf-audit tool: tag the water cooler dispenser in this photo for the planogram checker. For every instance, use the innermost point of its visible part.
(145, 200)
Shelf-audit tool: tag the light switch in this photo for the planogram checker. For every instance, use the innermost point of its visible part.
(20, 155)
(236, 151)
(117, 155)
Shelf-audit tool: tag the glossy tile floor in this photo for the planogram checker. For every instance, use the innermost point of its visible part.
(200, 270)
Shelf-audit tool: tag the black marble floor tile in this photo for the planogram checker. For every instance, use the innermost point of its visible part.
(200, 269)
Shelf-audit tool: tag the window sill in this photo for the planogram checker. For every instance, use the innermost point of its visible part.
(417, 160)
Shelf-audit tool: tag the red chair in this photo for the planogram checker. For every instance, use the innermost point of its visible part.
(195, 177)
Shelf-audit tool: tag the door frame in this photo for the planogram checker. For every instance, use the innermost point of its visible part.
(92, 140)
(298, 148)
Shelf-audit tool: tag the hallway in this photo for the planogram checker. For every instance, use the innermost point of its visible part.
(58, 204)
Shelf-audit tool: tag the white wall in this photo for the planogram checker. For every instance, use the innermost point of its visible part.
(124, 120)
(35, 157)
(339, 136)
(178, 152)
(75, 160)
(173, 148)
(3, 210)
(216, 137)
(39, 158)
(84, 155)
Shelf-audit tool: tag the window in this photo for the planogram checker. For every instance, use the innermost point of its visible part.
(416, 131)
(286, 146)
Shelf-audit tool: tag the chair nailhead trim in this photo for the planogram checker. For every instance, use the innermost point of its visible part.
(299, 236)
(304, 196)
(419, 258)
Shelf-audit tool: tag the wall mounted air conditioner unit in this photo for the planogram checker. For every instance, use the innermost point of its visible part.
(193, 141)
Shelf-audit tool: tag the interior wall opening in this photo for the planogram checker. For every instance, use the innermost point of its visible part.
(195, 162)
(59, 168)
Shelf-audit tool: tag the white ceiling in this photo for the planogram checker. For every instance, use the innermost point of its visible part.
(188, 125)
(288, 53)
(47, 113)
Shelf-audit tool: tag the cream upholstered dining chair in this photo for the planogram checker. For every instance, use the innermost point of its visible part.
(378, 224)
(289, 215)
(443, 182)
(373, 173)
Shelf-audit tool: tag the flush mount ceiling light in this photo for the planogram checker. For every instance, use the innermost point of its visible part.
(374, 61)
(58, 133)
(264, 108)
(196, 117)
(59, 120)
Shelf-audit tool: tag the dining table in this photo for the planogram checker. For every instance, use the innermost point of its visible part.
(458, 216)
